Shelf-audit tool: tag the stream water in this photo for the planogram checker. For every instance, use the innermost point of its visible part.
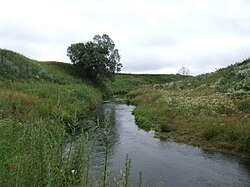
(167, 163)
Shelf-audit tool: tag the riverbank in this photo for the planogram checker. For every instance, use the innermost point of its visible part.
(36, 119)
(211, 111)
(42, 104)
(207, 119)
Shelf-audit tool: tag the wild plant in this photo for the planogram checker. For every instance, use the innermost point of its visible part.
(106, 139)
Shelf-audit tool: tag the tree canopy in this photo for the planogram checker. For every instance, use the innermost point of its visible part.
(95, 59)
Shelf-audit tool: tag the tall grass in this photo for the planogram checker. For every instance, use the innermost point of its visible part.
(31, 155)
(200, 116)
(37, 154)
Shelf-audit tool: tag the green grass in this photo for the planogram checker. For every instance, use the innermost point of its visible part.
(43, 104)
(40, 103)
(43, 89)
(31, 153)
(36, 154)
(233, 80)
(47, 100)
(127, 82)
(200, 110)
(16, 66)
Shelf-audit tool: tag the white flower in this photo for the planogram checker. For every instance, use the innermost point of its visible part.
(73, 171)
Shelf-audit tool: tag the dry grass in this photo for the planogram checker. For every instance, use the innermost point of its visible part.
(24, 98)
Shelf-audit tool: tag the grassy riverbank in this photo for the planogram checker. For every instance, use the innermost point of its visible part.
(41, 106)
(31, 90)
(211, 110)
(40, 102)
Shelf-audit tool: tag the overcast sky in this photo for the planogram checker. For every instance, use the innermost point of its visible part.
(153, 36)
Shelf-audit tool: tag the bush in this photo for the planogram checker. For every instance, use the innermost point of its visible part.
(246, 144)
(244, 105)
(165, 127)
(210, 132)
(232, 135)
(44, 110)
(142, 122)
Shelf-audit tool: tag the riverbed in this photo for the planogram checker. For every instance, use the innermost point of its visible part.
(165, 163)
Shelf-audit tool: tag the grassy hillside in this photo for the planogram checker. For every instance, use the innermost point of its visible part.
(47, 84)
(16, 66)
(233, 80)
(211, 110)
(40, 102)
(127, 82)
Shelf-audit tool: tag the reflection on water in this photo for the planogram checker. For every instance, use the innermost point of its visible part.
(168, 163)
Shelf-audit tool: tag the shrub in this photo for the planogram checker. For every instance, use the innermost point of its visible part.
(43, 91)
(142, 122)
(244, 105)
(246, 144)
(210, 132)
(44, 110)
(232, 134)
(165, 127)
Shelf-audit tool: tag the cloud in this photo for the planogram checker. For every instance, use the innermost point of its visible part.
(152, 36)
(9, 30)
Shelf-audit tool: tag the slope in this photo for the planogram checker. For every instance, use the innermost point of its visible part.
(211, 110)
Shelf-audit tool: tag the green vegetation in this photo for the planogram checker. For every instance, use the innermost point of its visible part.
(40, 104)
(210, 110)
(45, 141)
(15, 66)
(95, 60)
(43, 107)
(233, 80)
(127, 82)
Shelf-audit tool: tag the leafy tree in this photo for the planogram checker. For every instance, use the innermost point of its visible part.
(183, 71)
(95, 59)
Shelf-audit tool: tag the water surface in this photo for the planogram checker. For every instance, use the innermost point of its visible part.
(168, 163)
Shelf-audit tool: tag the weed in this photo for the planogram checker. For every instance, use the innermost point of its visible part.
(44, 110)
(244, 105)
(210, 132)
(164, 127)
(127, 171)
(140, 183)
(142, 122)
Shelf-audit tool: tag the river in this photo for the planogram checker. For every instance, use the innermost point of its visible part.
(165, 163)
